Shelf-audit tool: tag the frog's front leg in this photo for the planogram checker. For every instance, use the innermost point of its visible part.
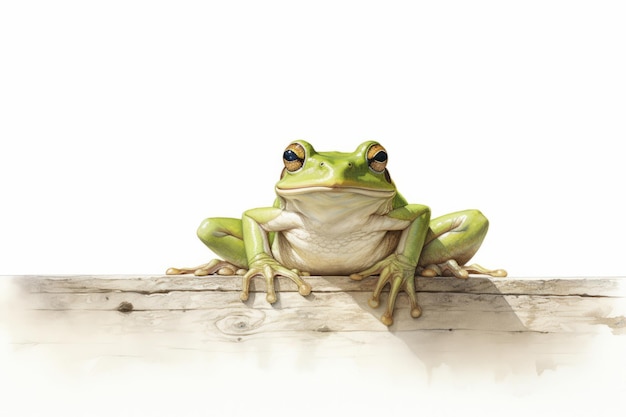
(257, 223)
(398, 269)
(452, 241)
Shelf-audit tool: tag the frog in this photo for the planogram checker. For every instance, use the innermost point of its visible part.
(340, 214)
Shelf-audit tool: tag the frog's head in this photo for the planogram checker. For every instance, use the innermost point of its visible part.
(363, 171)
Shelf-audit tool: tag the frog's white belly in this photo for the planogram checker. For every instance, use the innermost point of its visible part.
(335, 231)
(322, 252)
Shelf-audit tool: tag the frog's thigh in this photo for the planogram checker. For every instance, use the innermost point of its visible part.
(224, 236)
(454, 236)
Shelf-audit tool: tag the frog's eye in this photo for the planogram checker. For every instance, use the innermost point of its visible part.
(293, 157)
(377, 158)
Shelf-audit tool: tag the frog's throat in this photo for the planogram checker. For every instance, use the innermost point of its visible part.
(370, 192)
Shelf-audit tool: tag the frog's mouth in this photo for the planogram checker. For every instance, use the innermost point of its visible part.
(327, 204)
(369, 192)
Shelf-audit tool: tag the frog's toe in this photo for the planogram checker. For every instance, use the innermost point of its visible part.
(477, 269)
(452, 268)
(212, 267)
(357, 277)
(219, 267)
(387, 319)
(201, 272)
(232, 270)
(271, 297)
(227, 270)
(374, 302)
(416, 310)
(304, 289)
(301, 273)
(397, 284)
(431, 271)
(183, 271)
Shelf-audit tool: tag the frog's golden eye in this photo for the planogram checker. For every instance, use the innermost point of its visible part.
(293, 157)
(377, 158)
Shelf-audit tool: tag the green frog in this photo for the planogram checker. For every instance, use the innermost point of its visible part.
(340, 213)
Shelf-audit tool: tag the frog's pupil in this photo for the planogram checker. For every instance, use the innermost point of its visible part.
(380, 156)
(290, 156)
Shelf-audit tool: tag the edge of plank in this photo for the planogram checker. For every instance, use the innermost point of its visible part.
(153, 284)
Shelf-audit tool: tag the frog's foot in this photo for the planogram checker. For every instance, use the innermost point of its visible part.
(400, 274)
(452, 268)
(267, 267)
(215, 266)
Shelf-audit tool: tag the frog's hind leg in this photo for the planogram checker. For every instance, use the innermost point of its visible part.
(224, 236)
(451, 242)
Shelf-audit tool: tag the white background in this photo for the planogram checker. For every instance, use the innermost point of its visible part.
(125, 123)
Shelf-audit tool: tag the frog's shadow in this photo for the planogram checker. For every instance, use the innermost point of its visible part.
(464, 323)
(465, 326)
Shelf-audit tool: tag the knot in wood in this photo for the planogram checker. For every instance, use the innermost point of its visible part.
(125, 307)
(241, 322)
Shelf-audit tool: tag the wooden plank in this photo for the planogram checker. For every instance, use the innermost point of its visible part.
(346, 310)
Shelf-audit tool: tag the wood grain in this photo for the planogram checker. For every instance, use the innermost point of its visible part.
(340, 304)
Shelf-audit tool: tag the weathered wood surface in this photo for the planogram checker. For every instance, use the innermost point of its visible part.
(340, 304)
(479, 326)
